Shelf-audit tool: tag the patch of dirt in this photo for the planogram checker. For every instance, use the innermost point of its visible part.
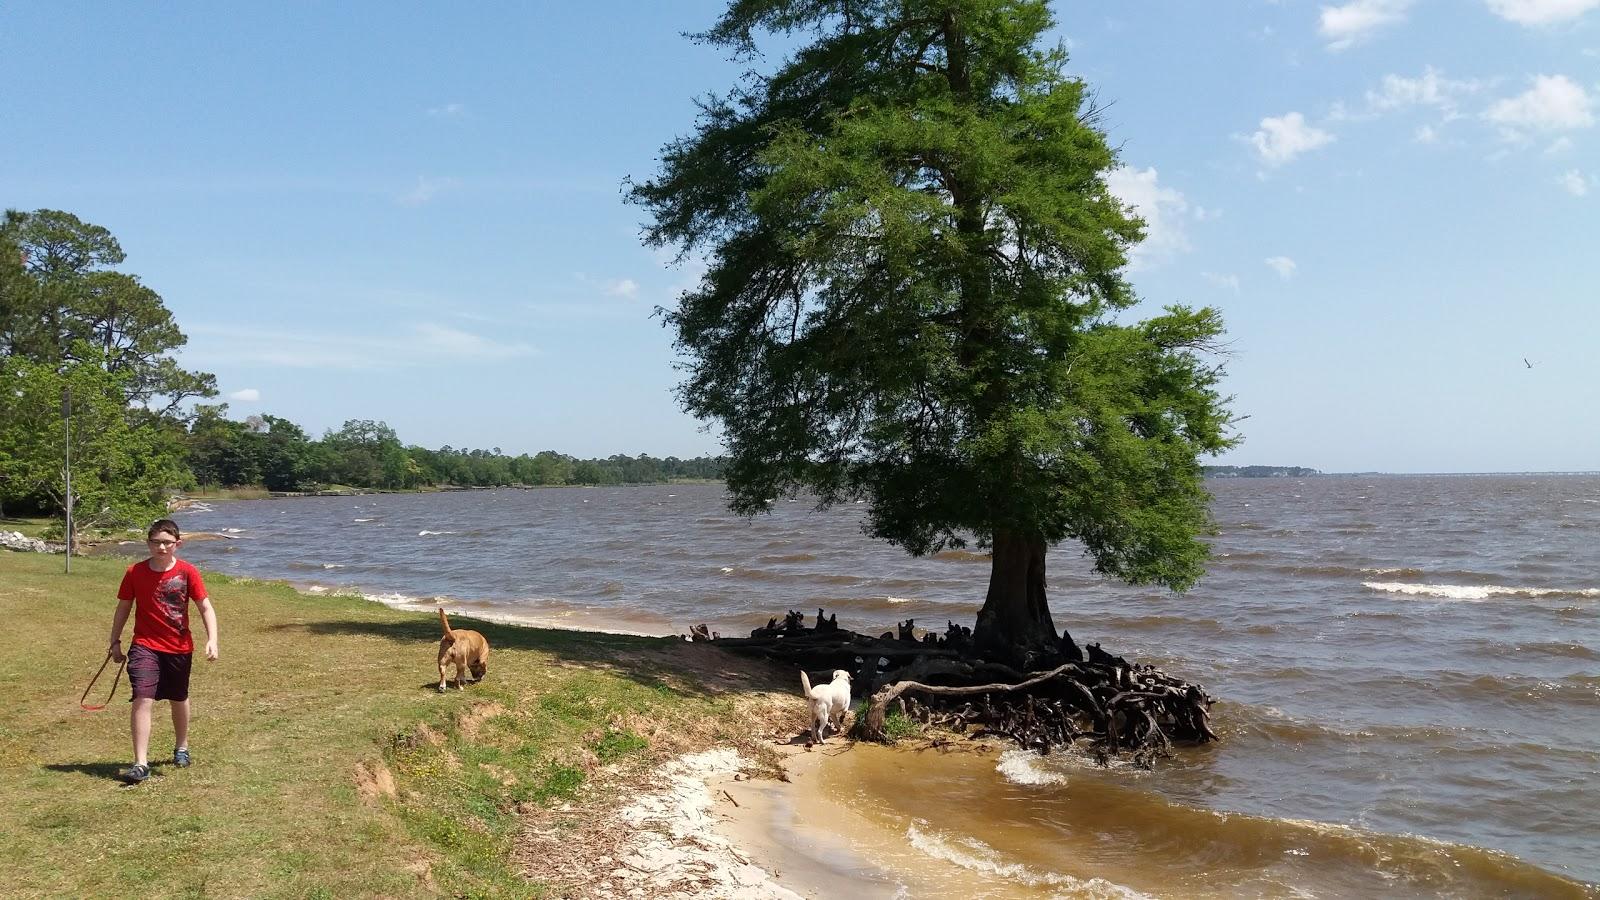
(473, 718)
(425, 734)
(373, 780)
(423, 870)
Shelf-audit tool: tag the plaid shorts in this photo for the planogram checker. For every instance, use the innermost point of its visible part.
(158, 676)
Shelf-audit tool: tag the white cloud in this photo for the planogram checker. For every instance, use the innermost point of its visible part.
(625, 288)
(1163, 209)
(426, 190)
(1230, 282)
(1353, 22)
(447, 111)
(1426, 134)
(1554, 103)
(423, 344)
(248, 395)
(1283, 265)
(1575, 183)
(1561, 146)
(1283, 138)
(1540, 12)
(1430, 89)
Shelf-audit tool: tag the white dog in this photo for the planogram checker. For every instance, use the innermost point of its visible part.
(828, 702)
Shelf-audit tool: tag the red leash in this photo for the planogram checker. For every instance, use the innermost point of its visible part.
(114, 682)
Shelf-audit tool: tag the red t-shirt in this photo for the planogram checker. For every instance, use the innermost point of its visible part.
(161, 604)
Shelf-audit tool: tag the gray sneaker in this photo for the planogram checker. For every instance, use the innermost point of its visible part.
(134, 774)
(180, 758)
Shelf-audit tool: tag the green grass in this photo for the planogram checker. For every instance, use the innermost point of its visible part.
(308, 689)
(214, 492)
(31, 526)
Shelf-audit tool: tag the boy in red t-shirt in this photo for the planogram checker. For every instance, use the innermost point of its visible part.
(158, 660)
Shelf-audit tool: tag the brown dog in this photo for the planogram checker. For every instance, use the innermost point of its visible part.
(467, 650)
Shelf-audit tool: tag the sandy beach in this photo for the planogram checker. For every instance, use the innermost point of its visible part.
(813, 843)
(704, 827)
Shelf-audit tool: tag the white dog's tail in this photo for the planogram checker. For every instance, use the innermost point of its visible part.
(805, 683)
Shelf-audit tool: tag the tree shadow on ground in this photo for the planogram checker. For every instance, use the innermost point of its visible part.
(659, 663)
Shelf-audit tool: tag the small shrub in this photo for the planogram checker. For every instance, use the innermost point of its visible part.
(897, 726)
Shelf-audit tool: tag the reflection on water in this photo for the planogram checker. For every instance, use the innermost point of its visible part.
(1396, 655)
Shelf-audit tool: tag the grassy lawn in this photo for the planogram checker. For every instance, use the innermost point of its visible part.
(325, 762)
(227, 493)
(30, 527)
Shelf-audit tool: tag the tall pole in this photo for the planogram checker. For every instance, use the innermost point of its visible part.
(66, 420)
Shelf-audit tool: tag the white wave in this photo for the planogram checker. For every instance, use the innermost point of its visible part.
(900, 599)
(727, 570)
(531, 619)
(333, 565)
(975, 855)
(426, 533)
(234, 530)
(363, 520)
(1025, 767)
(1474, 593)
(398, 601)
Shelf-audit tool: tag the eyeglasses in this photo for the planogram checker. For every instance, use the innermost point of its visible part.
(155, 543)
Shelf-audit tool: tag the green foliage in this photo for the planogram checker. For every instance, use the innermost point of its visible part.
(276, 453)
(67, 306)
(915, 271)
(897, 726)
(67, 321)
(122, 460)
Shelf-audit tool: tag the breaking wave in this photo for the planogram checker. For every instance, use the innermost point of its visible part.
(975, 855)
(1473, 593)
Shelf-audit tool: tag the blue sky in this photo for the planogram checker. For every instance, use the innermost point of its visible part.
(413, 213)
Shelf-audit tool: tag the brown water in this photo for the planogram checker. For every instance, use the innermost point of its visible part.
(1410, 666)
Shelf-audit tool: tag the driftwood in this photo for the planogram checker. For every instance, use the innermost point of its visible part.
(1084, 695)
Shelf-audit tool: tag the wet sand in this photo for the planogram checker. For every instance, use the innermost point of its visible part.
(806, 833)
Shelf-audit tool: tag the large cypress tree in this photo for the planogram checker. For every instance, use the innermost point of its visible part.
(915, 274)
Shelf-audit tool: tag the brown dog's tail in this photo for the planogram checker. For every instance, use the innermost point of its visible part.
(805, 683)
(446, 623)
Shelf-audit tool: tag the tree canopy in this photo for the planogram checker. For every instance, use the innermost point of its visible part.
(65, 300)
(70, 324)
(915, 271)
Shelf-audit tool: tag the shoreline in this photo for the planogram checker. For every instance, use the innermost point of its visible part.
(814, 843)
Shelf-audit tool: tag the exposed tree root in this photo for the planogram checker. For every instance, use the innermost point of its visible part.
(1115, 707)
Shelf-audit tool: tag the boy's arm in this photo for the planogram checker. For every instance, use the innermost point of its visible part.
(117, 621)
(209, 615)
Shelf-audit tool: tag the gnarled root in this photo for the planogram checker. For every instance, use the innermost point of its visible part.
(1114, 706)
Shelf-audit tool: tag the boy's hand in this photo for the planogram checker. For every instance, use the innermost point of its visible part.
(211, 649)
(115, 651)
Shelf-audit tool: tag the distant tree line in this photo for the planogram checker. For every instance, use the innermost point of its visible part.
(276, 454)
(1258, 471)
(75, 330)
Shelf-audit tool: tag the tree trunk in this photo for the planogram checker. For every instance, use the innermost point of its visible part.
(1015, 620)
